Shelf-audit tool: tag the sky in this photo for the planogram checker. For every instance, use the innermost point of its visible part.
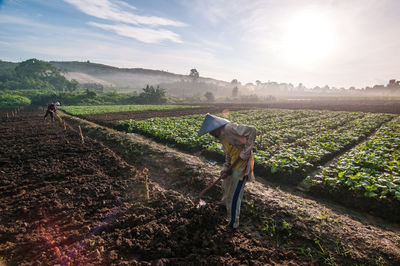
(339, 43)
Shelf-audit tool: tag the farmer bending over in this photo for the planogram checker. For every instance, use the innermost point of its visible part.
(51, 110)
(237, 142)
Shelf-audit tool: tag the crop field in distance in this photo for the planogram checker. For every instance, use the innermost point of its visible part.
(101, 109)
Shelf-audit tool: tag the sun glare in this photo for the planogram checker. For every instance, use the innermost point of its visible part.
(309, 37)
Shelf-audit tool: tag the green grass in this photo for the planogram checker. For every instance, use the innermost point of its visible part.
(101, 109)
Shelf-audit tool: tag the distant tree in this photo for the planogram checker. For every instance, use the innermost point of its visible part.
(93, 86)
(90, 94)
(235, 82)
(258, 83)
(235, 92)
(316, 88)
(393, 85)
(250, 98)
(325, 88)
(209, 96)
(300, 87)
(194, 74)
(151, 95)
(73, 85)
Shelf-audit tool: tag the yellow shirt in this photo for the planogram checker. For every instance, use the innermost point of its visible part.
(233, 153)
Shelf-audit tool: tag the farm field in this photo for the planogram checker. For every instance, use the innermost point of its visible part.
(373, 166)
(65, 201)
(371, 170)
(290, 144)
(288, 141)
(83, 204)
(342, 104)
(101, 109)
(111, 119)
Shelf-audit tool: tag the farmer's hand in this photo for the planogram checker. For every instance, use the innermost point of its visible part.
(223, 174)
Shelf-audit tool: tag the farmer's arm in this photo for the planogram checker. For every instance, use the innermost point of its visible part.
(250, 133)
(226, 172)
(227, 163)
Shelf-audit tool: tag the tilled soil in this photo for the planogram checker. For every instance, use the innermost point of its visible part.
(73, 203)
(323, 233)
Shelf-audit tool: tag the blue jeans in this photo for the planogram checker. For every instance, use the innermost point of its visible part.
(233, 193)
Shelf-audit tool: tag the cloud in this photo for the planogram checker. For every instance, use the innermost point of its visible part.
(145, 35)
(32, 28)
(117, 11)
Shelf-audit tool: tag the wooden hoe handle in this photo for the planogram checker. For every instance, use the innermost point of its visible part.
(216, 181)
(209, 187)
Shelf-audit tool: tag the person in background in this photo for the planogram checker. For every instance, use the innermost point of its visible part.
(51, 110)
(237, 142)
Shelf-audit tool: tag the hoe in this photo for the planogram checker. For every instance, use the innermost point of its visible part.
(201, 202)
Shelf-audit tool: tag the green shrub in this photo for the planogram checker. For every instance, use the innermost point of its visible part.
(9, 100)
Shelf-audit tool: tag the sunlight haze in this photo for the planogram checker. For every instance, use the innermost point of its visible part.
(337, 43)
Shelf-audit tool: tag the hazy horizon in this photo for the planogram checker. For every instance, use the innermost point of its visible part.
(335, 43)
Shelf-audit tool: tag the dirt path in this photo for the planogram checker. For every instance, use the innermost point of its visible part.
(302, 229)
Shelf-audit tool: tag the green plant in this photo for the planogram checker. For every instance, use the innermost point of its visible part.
(326, 255)
(372, 168)
(101, 109)
(288, 142)
(9, 100)
(277, 230)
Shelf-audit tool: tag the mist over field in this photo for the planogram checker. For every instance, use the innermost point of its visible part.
(128, 80)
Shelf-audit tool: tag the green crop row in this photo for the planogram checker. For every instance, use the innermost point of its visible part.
(101, 109)
(372, 167)
(288, 141)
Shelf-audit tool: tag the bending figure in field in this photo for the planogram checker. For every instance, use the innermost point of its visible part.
(51, 110)
(237, 142)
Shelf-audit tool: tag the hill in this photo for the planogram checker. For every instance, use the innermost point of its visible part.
(7, 66)
(128, 79)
